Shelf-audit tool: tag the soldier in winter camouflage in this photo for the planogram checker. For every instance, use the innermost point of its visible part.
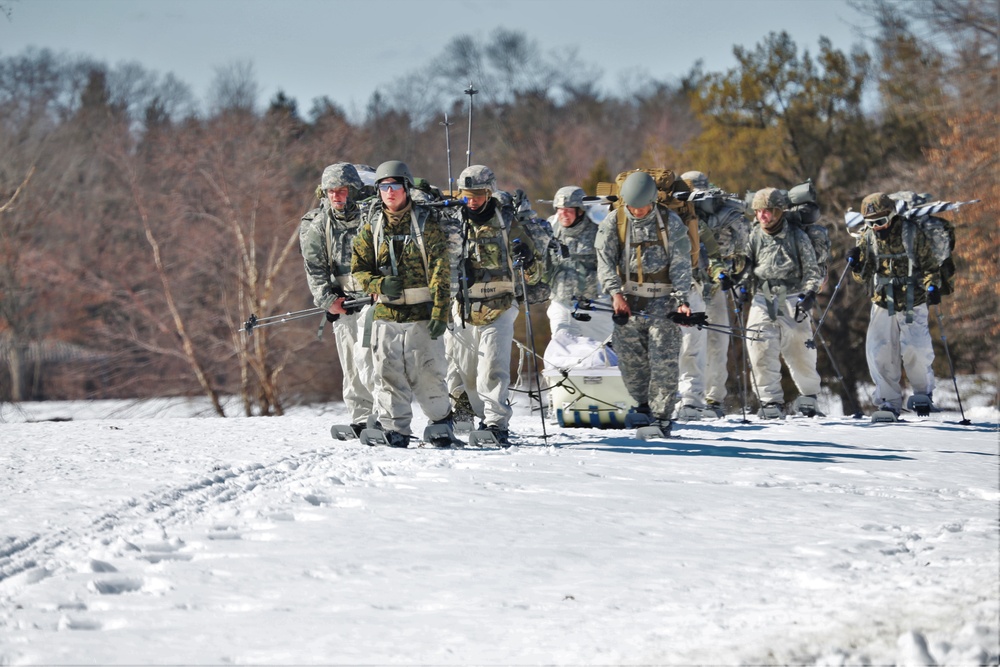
(730, 230)
(784, 277)
(898, 334)
(494, 250)
(401, 255)
(326, 234)
(693, 359)
(645, 265)
(574, 273)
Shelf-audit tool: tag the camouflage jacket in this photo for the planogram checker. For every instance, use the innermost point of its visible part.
(732, 230)
(710, 265)
(885, 268)
(647, 264)
(416, 236)
(488, 281)
(325, 239)
(574, 272)
(783, 261)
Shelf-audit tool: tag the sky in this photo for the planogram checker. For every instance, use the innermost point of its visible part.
(345, 49)
(136, 534)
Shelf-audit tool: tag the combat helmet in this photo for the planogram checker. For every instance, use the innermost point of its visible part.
(638, 190)
(696, 180)
(568, 197)
(877, 205)
(769, 198)
(394, 169)
(477, 177)
(339, 175)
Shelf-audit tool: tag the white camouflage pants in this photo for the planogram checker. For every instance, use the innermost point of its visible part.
(717, 345)
(482, 355)
(599, 327)
(785, 339)
(355, 363)
(891, 346)
(409, 366)
(691, 364)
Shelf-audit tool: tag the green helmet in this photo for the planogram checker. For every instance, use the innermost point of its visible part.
(769, 198)
(394, 169)
(638, 190)
(877, 205)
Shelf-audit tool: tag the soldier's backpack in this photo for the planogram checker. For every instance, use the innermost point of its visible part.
(917, 212)
(667, 183)
(804, 213)
(546, 247)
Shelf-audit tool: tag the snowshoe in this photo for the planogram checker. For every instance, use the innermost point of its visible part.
(713, 410)
(376, 436)
(689, 413)
(772, 411)
(656, 429)
(638, 417)
(884, 417)
(887, 413)
(490, 436)
(806, 406)
(921, 404)
(346, 432)
(440, 434)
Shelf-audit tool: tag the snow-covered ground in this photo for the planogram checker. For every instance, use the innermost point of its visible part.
(138, 534)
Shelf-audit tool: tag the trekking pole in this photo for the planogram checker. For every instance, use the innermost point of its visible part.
(447, 145)
(531, 340)
(738, 311)
(852, 400)
(470, 91)
(811, 343)
(254, 322)
(951, 366)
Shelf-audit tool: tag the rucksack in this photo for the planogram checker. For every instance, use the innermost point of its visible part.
(804, 213)
(918, 214)
(666, 184)
(546, 247)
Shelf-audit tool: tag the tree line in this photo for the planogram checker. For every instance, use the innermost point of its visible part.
(137, 232)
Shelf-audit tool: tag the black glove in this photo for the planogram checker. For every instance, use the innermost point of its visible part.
(521, 253)
(692, 320)
(392, 287)
(744, 295)
(854, 259)
(725, 282)
(807, 301)
(620, 319)
(436, 328)
(330, 317)
(933, 296)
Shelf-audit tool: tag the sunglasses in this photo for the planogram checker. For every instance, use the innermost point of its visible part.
(390, 187)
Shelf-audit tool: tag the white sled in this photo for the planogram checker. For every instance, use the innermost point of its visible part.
(588, 398)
